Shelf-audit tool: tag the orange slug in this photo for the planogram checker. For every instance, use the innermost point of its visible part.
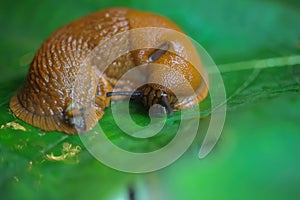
(45, 100)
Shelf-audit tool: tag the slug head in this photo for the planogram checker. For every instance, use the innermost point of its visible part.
(171, 79)
(151, 94)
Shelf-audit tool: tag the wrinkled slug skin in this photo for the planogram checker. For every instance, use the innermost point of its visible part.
(46, 100)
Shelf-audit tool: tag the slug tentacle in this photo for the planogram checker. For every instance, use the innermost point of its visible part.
(166, 103)
(125, 93)
(159, 52)
(158, 97)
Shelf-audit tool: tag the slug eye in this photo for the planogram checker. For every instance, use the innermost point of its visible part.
(159, 52)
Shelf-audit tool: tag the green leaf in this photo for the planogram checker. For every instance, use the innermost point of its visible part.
(256, 45)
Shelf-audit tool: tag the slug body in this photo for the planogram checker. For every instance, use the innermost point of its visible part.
(46, 100)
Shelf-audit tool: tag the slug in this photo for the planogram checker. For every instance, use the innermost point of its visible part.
(46, 98)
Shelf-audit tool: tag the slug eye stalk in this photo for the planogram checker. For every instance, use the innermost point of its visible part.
(159, 52)
(125, 93)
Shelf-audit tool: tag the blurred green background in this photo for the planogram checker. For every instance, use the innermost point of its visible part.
(257, 156)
